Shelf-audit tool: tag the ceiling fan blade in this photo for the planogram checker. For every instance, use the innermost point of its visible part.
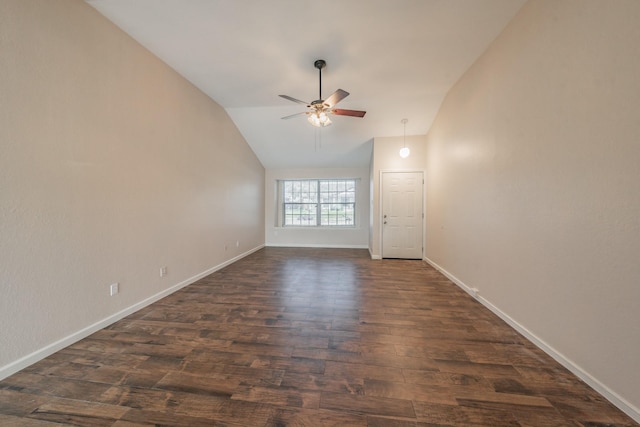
(336, 97)
(294, 115)
(293, 99)
(352, 113)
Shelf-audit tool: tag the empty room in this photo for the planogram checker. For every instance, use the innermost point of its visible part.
(339, 213)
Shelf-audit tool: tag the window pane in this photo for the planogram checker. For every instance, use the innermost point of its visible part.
(337, 214)
(302, 214)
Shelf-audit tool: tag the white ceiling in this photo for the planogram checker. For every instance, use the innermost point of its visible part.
(397, 58)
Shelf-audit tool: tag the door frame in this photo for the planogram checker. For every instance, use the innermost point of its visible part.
(381, 204)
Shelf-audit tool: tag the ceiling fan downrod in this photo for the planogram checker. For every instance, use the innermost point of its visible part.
(320, 64)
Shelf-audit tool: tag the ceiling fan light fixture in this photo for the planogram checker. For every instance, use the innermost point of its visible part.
(319, 119)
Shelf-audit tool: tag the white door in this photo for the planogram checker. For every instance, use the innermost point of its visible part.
(402, 217)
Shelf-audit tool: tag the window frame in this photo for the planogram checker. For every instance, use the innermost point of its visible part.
(322, 206)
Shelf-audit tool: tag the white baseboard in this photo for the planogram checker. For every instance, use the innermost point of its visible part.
(594, 383)
(40, 354)
(315, 245)
(372, 255)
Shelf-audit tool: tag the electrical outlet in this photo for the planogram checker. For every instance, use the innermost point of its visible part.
(114, 289)
(163, 271)
(237, 243)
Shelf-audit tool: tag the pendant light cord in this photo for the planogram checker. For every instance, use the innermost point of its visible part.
(404, 137)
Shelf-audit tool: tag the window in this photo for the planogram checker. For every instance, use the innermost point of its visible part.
(319, 202)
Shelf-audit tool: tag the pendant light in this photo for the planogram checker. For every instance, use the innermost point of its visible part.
(404, 151)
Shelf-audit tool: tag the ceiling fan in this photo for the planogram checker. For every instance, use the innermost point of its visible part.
(320, 109)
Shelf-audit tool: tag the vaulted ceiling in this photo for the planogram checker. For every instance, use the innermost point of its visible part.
(397, 58)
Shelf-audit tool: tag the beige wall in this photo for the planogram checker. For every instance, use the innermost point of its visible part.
(111, 166)
(533, 185)
(386, 158)
(355, 237)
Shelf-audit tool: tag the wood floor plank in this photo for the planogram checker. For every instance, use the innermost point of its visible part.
(278, 396)
(8, 420)
(314, 418)
(410, 392)
(307, 337)
(356, 371)
(367, 405)
(434, 414)
(312, 382)
(223, 385)
(147, 418)
(78, 412)
(55, 386)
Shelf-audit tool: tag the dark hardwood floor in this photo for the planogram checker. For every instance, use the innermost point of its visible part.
(307, 337)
